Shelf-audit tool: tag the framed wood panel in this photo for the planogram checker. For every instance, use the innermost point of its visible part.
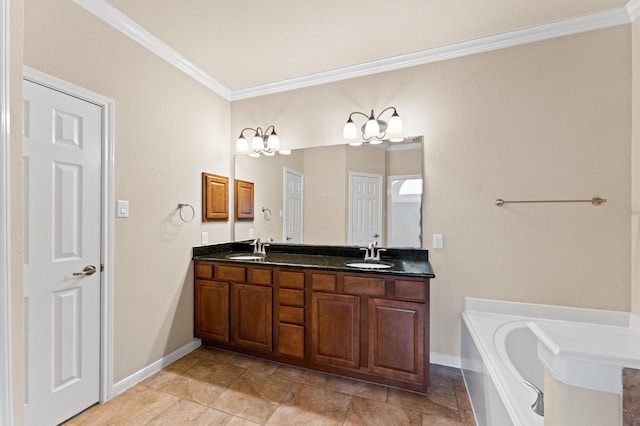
(244, 199)
(215, 197)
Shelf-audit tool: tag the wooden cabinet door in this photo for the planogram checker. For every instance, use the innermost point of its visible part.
(252, 313)
(397, 339)
(335, 329)
(212, 310)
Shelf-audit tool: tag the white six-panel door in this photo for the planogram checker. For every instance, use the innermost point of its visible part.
(62, 186)
(365, 208)
(293, 206)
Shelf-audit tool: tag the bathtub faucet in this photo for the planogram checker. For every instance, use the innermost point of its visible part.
(538, 405)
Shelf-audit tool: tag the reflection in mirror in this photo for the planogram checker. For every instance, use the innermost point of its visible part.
(337, 195)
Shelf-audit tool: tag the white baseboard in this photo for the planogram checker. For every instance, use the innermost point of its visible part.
(444, 359)
(147, 371)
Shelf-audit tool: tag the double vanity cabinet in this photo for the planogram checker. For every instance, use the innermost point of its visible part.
(301, 305)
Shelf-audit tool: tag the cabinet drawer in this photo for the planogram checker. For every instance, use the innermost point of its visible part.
(291, 314)
(291, 279)
(324, 282)
(410, 290)
(260, 276)
(291, 297)
(364, 286)
(231, 273)
(204, 270)
(291, 340)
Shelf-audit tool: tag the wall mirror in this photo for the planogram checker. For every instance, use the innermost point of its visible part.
(337, 195)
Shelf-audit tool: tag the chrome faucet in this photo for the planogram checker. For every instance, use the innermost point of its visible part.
(538, 405)
(259, 247)
(372, 253)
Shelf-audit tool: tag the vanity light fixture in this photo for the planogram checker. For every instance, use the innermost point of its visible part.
(374, 129)
(263, 142)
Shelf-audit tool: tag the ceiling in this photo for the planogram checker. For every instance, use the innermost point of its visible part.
(244, 44)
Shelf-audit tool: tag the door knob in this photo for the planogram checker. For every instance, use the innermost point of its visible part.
(88, 270)
(376, 235)
(289, 238)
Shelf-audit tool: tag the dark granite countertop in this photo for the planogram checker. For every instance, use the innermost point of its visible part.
(408, 262)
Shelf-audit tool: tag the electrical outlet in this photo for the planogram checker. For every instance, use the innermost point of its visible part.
(438, 241)
(204, 238)
(250, 232)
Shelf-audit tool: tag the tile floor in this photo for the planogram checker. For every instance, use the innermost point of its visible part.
(631, 397)
(214, 387)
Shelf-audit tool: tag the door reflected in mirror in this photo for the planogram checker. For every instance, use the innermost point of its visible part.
(315, 199)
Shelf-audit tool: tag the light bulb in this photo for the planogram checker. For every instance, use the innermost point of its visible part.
(242, 145)
(395, 125)
(350, 130)
(274, 141)
(372, 128)
(256, 143)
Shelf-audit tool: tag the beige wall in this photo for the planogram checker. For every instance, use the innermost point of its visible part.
(168, 129)
(547, 120)
(324, 177)
(267, 175)
(404, 162)
(635, 167)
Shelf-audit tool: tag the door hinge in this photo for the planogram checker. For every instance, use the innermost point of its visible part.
(101, 267)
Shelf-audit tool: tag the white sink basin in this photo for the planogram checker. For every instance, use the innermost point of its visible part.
(369, 265)
(245, 257)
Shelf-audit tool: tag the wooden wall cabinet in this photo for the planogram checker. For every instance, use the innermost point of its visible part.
(243, 200)
(215, 197)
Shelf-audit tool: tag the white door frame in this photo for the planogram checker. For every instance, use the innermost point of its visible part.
(6, 404)
(107, 212)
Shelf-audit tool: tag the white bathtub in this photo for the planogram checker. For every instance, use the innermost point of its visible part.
(499, 352)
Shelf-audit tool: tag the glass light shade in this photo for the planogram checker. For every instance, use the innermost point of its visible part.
(350, 130)
(285, 152)
(242, 145)
(394, 127)
(254, 155)
(256, 143)
(355, 143)
(273, 142)
(375, 142)
(396, 140)
(269, 153)
(371, 128)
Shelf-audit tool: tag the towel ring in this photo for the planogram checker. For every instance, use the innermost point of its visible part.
(193, 211)
(267, 213)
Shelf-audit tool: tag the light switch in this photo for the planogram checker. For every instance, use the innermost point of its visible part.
(438, 241)
(122, 208)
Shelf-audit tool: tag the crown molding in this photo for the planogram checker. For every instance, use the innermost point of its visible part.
(633, 8)
(589, 22)
(564, 27)
(130, 28)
